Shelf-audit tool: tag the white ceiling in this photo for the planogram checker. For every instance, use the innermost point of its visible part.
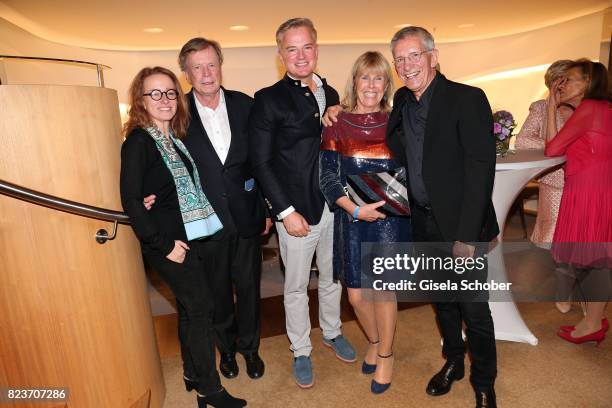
(119, 25)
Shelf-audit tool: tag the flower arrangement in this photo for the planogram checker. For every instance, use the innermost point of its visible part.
(503, 126)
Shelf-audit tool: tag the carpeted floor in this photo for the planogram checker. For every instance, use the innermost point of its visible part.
(552, 374)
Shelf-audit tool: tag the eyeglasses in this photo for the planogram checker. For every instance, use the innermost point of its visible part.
(156, 94)
(413, 57)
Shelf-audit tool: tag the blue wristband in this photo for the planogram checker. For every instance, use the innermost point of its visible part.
(356, 212)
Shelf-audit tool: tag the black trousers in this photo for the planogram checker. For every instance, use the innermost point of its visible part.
(191, 287)
(232, 263)
(451, 315)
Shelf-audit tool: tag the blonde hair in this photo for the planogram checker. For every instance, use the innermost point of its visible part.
(295, 23)
(371, 61)
(556, 70)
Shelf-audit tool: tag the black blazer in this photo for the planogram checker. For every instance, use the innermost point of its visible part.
(225, 184)
(285, 136)
(458, 159)
(143, 172)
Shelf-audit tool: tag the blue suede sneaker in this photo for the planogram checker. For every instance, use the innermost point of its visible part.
(343, 349)
(302, 371)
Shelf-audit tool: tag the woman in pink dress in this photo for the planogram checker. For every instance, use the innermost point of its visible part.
(533, 136)
(583, 236)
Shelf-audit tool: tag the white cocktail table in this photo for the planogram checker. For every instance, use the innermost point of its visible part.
(512, 173)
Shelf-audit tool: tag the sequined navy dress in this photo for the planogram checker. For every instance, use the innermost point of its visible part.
(356, 145)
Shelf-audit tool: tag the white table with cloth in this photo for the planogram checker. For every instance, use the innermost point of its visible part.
(512, 173)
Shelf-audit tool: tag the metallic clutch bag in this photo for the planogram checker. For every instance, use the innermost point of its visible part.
(372, 187)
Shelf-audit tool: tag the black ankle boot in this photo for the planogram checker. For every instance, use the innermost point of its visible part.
(220, 399)
(190, 384)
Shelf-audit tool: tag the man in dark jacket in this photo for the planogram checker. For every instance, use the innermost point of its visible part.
(217, 139)
(285, 136)
(442, 130)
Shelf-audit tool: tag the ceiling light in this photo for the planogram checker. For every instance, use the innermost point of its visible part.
(239, 28)
(153, 30)
(402, 25)
(465, 25)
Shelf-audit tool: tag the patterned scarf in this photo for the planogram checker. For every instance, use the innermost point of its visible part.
(198, 215)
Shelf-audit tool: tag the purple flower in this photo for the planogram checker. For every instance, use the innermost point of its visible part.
(505, 115)
(503, 125)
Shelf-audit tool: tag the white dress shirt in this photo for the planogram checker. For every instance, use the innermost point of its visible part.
(216, 124)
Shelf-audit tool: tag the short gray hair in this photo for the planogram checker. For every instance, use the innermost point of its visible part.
(295, 23)
(427, 39)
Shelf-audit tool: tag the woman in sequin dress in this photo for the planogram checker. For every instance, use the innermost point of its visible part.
(356, 145)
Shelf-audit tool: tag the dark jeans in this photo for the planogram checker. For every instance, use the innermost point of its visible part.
(475, 314)
(232, 262)
(190, 285)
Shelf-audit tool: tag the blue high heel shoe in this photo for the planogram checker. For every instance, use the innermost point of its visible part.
(376, 387)
(369, 368)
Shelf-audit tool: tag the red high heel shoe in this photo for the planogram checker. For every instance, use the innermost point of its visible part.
(604, 325)
(598, 337)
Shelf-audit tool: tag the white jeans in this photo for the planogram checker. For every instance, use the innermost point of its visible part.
(297, 253)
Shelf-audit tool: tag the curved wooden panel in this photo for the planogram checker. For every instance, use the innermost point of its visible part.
(73, 313)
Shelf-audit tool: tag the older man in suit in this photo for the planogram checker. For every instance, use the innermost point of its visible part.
(217, 139)
(443, 132)
(285, 136)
